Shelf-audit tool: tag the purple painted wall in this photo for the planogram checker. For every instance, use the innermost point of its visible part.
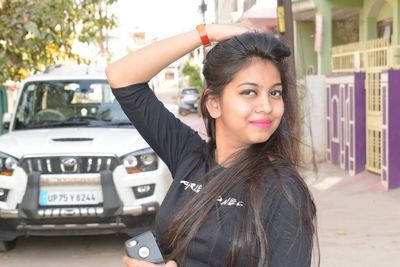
(356, 95)
(357, 99)
(384, 136)
(335, 153)
(359, 122)
(335, 121)
(346, 107)
(393, 129)
(335, 105)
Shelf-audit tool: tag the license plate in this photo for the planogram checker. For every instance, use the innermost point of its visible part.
(67, 198)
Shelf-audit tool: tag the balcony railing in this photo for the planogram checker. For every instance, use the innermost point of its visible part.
(375, 54)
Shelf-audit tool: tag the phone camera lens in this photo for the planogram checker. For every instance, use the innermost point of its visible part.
(144, 252)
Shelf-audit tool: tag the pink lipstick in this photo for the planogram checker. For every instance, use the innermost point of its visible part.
(262, 123)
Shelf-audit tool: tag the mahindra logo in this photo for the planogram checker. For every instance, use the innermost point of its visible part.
(69, 165)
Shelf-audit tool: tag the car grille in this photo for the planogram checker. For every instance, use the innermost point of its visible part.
(70, 211)
(69, 164)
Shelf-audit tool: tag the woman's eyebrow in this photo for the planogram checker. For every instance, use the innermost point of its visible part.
(276, 84)
(257, 85)
(248, 83)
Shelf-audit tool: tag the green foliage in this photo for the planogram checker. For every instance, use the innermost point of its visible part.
(194, 75)
(35, 34)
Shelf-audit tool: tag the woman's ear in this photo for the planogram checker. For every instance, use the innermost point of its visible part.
(213, 106)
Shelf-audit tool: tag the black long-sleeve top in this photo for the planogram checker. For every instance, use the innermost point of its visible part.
(178, 146)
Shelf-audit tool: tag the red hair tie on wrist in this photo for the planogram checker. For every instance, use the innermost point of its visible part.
(201, 29)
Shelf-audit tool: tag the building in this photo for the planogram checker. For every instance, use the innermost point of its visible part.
(260, 13)
(355, 47)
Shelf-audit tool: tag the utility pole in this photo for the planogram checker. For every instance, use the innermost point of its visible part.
(285, 27)
(203, 9)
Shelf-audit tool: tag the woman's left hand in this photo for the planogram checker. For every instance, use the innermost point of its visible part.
(129, 262)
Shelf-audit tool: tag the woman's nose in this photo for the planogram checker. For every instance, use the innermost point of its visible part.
(264, 105)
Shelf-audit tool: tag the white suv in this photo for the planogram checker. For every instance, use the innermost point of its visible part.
(72, 163)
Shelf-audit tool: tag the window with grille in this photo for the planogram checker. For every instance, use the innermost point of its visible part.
(374, 92)
(374, 150)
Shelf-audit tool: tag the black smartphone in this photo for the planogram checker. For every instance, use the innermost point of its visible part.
(144, 247)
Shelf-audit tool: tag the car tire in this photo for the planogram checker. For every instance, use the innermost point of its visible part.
(7, 245)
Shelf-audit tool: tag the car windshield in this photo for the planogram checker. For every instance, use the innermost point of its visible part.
(87, 103)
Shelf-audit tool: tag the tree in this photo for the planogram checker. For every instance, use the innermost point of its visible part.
(35, 34)
(194, 75)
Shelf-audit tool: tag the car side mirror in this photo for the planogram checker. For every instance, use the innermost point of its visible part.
(7, 120)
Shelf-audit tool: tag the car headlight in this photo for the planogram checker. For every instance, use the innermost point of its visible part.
(140, 161)
(7, 164)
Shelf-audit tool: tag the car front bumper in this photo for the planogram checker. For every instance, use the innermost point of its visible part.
(120, 210)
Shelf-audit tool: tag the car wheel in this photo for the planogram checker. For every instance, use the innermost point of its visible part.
(7, 245)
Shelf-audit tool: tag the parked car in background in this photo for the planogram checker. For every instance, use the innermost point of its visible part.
(71, 162)
(188, 100)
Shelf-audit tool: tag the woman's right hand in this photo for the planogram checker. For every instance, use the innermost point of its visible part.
(220, 32)
(129, 262)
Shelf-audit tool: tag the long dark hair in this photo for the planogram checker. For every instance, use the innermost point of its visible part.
(221, 65)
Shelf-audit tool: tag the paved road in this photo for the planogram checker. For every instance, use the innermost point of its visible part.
(358, 220)
(89, 251)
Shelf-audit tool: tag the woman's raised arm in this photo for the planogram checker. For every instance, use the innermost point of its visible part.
(143, 64)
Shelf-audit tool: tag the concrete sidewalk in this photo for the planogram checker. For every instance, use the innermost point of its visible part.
(358, 220)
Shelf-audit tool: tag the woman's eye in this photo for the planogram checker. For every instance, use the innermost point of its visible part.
(276, 93)
(248, 92)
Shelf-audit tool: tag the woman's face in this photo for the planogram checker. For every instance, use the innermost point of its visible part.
(250, 107)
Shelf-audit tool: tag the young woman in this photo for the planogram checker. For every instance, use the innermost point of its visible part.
(237, 199)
